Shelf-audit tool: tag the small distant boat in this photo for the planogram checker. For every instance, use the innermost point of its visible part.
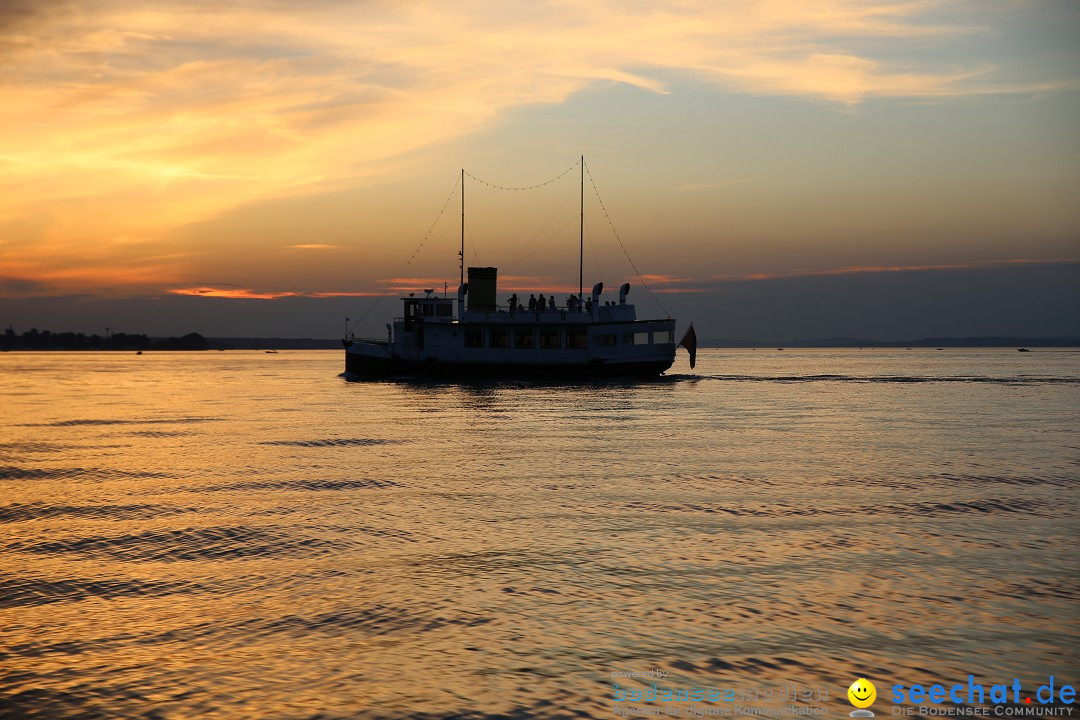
(1022, 350)
(270, 352)
(779, 348)
(139, 352)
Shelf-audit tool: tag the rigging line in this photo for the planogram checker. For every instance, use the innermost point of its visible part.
(427, 235)
(616, 232)
(525, 248)
(596, 258)
(524, 187)
(472, 240)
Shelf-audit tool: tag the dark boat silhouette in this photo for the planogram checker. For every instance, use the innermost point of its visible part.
(475, 335)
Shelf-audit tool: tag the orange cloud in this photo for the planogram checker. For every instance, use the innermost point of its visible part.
(249, 294)
(231, 293)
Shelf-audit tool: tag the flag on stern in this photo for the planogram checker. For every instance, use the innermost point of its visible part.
(689, 341)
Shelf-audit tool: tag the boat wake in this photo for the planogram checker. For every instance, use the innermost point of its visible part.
(996, 380)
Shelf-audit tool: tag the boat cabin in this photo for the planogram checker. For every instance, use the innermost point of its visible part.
(427, 309)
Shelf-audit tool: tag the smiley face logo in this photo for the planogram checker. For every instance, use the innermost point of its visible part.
(862, 693)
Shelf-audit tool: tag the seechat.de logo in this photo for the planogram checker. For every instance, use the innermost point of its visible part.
(973, 692)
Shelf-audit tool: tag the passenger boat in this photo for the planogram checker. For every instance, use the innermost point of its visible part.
(474, 335)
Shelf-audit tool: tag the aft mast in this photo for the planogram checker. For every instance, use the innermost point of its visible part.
(461, 252)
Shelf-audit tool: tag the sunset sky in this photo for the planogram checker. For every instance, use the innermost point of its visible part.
(775, 168)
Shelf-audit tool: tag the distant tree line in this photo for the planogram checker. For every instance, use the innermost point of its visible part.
(47, 340)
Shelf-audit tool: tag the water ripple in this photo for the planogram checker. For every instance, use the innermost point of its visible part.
(12, 449)
(332, 442)
(314, 485)
(992, 380)
(212, 543)
(17, 591)
(12, 472)
(80, 422)
(984, 506)
(378, 619)
(20, 512)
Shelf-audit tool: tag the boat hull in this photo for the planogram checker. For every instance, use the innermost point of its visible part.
(362, 366)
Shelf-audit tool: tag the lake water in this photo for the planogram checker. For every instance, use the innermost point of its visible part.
(247, 535)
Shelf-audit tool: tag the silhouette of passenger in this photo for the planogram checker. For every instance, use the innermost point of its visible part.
(532, 302)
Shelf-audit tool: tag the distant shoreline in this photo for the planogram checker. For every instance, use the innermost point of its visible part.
(34, 340)
(46, 340)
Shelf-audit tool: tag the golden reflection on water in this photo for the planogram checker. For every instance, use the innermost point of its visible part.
(238, 535)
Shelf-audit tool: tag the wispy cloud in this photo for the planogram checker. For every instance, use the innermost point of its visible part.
(231, 293)
(238, 293)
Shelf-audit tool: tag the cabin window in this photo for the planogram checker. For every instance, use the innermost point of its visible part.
(549, 339)
(577, 339)
(664, 336)
(628, 338)
(523, 339)
(410, 316)
(605, 340)
(444, 310)
(497, 338)
(474, 338)
(641, 338)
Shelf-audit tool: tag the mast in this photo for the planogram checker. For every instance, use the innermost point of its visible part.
(581, 235)
(461, 253)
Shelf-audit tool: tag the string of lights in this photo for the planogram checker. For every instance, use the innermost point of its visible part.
(524, 187)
